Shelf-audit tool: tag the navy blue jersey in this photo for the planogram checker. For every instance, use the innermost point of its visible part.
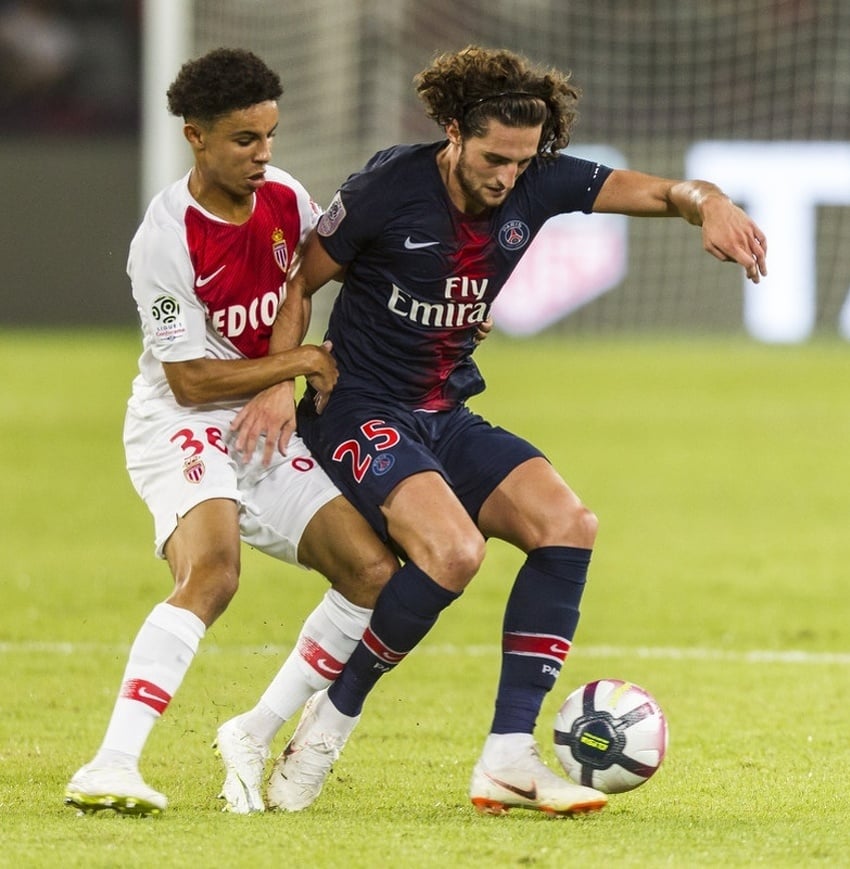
(421, 275)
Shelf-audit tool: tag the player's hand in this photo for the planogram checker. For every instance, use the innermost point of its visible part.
(270, 413)
(483, 330)
(729, 234)
(324, 378)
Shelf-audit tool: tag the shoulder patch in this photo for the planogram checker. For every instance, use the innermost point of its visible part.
(165, 311)
(329, 222)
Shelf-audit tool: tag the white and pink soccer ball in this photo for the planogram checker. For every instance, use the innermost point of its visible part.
(610, 735)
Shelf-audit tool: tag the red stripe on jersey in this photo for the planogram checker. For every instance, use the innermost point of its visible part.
(318, 658)
(240, 269)
(147, 693)
(538, 645)
(380, 649)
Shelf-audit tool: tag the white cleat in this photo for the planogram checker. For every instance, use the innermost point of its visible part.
(302, 768)
(120, 788)
(520, 779)
(244, 761)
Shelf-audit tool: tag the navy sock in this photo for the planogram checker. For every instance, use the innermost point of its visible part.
(540, 622)
(406, 609)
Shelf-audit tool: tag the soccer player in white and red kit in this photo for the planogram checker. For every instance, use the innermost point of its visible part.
(208, 267)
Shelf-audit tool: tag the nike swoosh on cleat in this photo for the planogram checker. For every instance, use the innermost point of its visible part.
(202, 282)
(416, 245)
(526, 793)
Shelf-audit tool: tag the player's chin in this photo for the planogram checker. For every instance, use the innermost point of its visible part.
(495, 197)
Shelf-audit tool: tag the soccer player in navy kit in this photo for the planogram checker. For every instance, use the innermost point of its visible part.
(427, 235)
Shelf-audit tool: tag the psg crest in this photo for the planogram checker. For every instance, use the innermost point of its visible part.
(514, 235)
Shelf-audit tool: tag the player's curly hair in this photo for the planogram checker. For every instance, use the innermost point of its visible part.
(221, 81)
(475, 84)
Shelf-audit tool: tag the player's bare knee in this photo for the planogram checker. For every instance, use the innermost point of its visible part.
(363, 583)
(453, 563)
(586, 527)
(226, 587)
(467, 559)
(579, 528)
(574, 526)
(207, 584)
(376, 574)
(220, 590)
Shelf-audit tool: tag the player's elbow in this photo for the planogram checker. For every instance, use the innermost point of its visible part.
(184, 398)
(187, 383)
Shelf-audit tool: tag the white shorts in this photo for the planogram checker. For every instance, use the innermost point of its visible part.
(177, 460)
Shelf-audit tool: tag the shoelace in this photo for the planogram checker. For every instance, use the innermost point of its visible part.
(313, 761)
(250, 754)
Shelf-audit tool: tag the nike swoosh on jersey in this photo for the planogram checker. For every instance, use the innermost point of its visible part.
(202, 282)
(416, 245)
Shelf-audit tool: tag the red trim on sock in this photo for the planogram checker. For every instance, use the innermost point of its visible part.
(147, 693)
(326, 665)
(537, 645)
(380, 649)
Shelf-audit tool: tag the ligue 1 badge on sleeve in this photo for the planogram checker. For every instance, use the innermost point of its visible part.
(333, 217)
(168, 320)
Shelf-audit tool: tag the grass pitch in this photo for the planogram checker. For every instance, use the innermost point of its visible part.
(719, 472)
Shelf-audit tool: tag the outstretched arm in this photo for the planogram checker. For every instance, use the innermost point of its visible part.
(205, 381)
(728, 233)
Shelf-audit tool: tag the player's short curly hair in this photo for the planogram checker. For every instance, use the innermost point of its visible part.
(476, 84)
(221, 81)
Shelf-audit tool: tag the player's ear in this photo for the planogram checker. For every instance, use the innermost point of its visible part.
(193, 134)
(453, 132)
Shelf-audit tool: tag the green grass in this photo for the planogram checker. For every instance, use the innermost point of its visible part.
(719, 472)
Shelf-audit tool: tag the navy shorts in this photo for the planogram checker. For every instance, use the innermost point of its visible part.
(368, 446)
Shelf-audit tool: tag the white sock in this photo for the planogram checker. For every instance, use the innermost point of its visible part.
(159, 658)
(501, 748)
(325, 643)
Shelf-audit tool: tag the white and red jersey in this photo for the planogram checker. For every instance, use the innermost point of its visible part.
(207, 288)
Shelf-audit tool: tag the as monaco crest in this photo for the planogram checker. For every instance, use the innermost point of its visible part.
(280, 250)
(194, 469)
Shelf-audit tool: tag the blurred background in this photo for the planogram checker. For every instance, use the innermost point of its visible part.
(753, 94)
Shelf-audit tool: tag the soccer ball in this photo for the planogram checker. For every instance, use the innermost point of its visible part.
(610, 735)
